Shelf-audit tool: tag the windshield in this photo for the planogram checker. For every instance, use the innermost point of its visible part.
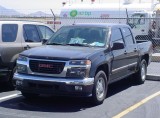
(137, 19)
(80, 36)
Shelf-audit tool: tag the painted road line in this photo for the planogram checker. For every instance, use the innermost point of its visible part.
(9, 96)
(123, 113)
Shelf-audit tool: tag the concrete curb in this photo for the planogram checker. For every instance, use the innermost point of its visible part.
(155, 57)
(153, 77)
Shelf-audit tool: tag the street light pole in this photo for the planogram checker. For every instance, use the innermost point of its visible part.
(119, 11)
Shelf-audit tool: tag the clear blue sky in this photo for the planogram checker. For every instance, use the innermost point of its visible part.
(28, 6)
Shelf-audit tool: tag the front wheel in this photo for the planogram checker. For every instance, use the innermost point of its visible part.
(100, 88)
(142, 72)
(10, 83)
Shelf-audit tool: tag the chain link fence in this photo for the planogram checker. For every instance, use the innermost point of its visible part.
(142, 28)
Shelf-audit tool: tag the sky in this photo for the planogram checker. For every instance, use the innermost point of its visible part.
(28, 6)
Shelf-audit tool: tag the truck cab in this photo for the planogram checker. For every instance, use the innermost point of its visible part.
(140, 23)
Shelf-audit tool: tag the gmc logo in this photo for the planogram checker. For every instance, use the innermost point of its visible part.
(45, 66)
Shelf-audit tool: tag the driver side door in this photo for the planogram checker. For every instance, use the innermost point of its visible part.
(119, 67)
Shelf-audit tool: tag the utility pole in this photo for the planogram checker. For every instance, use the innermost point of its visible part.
(54, 18)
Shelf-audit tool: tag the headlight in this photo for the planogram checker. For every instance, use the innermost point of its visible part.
(79, 68)
(21, 68)
(80, 62)
(22, 58)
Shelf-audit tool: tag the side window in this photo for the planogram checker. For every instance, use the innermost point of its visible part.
(127, 36)
(9, 32)
(116, 36)
(45, 32)
(30, 33)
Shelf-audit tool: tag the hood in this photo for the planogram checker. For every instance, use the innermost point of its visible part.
(61, 52)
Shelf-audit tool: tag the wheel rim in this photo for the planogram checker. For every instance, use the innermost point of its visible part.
(100, 88)
(143, 72)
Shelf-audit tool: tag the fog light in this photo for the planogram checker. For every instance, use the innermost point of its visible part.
(78, 88)
(19, 82)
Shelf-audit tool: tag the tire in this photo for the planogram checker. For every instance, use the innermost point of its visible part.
(140, 75)
(100, 88)
(10, 82)
(29, 95)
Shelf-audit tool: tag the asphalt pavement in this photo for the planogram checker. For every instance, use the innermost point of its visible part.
(121, 96)
(125, 99)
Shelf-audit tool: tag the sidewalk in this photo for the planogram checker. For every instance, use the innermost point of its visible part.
(153, 71)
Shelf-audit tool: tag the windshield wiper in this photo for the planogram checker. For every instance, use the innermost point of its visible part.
(54, 44)
(78, 44)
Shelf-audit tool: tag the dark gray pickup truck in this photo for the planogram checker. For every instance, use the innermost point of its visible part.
(81, 60)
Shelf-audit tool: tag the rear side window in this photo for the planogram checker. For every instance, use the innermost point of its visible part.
(45, 32)
(9, 32)
(127, 36)
(31, 33)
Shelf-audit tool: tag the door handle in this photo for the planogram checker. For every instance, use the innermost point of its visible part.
(135, 50)
(125, 52)
(27, 47)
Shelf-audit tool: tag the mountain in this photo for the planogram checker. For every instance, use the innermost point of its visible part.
(9, 12)
(4, 12)
(39, 14)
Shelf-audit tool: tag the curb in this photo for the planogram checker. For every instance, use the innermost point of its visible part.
(153, 77)
(155, 57)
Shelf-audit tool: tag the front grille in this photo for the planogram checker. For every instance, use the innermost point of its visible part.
(47, 67)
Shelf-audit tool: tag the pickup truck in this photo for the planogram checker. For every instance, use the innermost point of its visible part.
(15, 37)
(81, 60)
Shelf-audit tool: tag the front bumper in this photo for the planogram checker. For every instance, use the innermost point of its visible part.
(53, 85)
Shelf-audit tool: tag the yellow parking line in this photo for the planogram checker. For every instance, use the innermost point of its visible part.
(136, 105)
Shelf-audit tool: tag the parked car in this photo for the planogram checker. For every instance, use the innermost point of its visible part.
(81, 60)
(15, 37)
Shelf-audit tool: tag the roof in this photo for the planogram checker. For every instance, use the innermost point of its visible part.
(100, 24)
(19, 22)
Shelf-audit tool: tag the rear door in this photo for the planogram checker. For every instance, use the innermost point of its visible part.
(11, 43)
(131, 49)
(119, 63)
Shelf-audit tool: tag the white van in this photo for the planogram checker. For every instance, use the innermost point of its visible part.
(109, 13)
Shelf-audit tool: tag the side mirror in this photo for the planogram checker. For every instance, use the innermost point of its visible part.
(117, 46)
(44, 41)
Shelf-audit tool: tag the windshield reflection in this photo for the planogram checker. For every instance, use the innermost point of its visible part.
(81, 36)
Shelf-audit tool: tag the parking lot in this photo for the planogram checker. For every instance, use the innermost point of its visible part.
(125, 99)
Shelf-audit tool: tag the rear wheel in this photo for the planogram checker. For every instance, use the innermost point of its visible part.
(100, 88)
(141, 74)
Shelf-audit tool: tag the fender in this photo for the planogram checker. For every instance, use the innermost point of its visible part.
(99, 61)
